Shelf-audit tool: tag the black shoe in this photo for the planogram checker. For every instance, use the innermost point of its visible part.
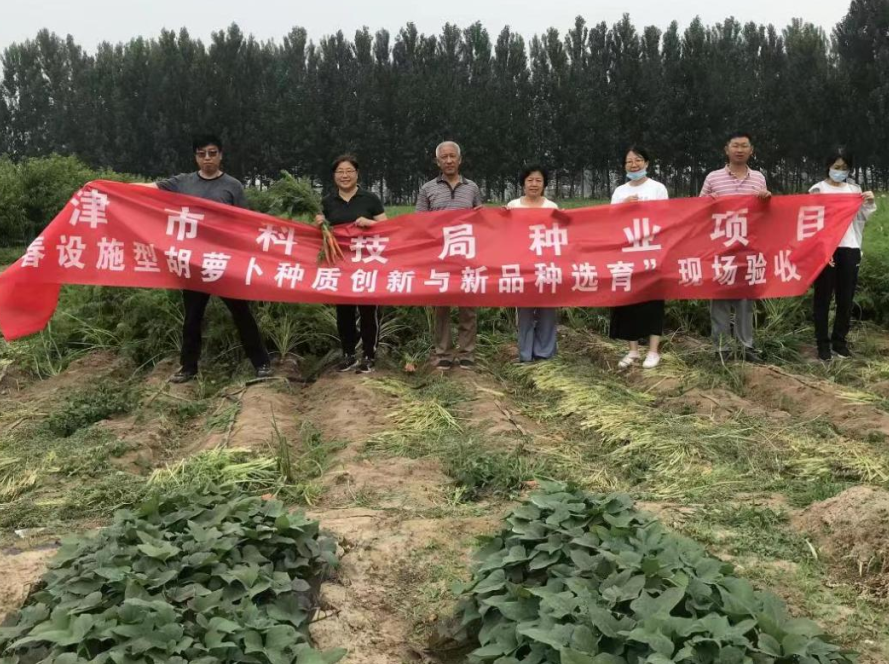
(752, 356)
(348, 363)
(466, 363)
(264, 371)
(824, 352)
(444, 364)
(723, 356)
(841, 349)
(183, 376)
(366, 366)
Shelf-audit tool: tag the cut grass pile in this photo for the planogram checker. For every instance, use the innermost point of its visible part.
(668, 455)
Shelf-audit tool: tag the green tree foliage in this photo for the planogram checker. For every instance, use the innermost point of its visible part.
(34, 190)
(573, 100)
(862, 52)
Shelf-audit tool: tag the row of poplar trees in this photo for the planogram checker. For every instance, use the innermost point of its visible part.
(572, 100)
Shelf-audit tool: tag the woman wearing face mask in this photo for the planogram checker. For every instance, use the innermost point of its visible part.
(645, 319)
(840, 276)
(537, 325)
(352, 205)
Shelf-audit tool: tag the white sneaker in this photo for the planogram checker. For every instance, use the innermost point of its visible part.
(628, 360)
(651, 361)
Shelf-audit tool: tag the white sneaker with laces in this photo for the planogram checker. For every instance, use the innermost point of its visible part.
(628, 360)
(651, 361)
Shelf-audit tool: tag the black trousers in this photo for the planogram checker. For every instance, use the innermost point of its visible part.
(370, 326)
(195, 305)
(838, 280)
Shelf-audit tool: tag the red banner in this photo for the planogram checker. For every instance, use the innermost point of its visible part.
(114, 234)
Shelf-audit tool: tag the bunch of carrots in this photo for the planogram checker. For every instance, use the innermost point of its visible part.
(330, 251)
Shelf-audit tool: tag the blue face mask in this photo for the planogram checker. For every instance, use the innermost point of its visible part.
(638, 175)
(838, 176)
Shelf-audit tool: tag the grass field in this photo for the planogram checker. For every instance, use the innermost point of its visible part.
(781, 470)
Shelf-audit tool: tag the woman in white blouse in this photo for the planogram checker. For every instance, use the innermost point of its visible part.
(537, 325)
(633, 322)
(840, 277)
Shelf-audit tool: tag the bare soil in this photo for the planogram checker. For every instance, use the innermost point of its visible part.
(24, 395)
(382, 510)
(19, 571)
(852, 531)
(265, 412)
(489, 408)
(369, 607)
(810, 398)
(720, 405)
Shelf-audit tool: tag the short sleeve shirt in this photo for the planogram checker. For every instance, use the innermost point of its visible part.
(224, 189)
(438, 195)
(724, 183)
(517, 204)
(650, 190)
(362, 204)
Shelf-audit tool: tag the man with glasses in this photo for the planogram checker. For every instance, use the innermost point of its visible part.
(211, 183)
(451, 191)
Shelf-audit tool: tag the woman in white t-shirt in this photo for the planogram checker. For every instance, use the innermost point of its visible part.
(840, 276)
(537, 325)
(644, 319)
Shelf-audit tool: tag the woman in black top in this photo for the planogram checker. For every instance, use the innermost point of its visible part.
(353, 205)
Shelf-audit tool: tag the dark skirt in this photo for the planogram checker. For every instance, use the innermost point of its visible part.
(637, 321)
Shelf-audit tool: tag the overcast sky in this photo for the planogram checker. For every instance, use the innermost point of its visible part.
(94, 21)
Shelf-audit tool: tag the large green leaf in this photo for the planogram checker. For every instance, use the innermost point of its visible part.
(556, 636)
(656, 640)
(491, 651)
(584, 561)
(164, 551)
(624, 590)
(542, 560)
(648, 605)
(492, 583)
(738, 597)
(583, 640)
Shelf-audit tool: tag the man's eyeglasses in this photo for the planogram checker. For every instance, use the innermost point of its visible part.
(351, 171)
(207, 153)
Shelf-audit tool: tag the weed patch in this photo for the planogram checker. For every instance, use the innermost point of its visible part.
(428, 423)
(743, 530)
(301, 468)
(481, 472)
(88, 407)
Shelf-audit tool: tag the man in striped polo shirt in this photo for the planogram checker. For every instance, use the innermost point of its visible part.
(736, 179)
(451, 191)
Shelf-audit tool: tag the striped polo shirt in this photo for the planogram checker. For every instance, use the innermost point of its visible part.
(437, 195)
(723, 183)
